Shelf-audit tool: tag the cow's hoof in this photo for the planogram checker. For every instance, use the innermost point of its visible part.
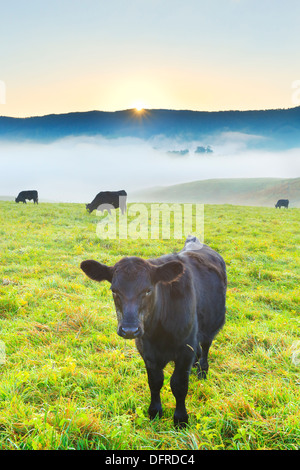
(202, 374)
(181, 422)
(155, 413)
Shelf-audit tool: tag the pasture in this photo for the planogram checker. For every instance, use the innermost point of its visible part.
(67, 381)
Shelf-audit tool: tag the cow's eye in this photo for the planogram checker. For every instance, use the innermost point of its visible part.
(148, 292)
(114, 293)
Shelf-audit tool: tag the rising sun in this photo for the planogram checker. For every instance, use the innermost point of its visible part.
(139, 107)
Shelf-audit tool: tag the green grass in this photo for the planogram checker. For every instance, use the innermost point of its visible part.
(70, 382)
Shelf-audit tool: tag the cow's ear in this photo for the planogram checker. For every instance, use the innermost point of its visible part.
(167, 272)
(97, 271)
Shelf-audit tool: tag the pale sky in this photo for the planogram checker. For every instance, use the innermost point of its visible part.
(62, 56)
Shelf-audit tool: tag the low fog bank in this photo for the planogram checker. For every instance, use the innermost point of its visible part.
(76, 169)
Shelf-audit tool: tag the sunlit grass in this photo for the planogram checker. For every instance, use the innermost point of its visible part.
(69, 382)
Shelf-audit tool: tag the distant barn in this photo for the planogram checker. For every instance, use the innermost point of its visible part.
(29, 195)
(106, 199)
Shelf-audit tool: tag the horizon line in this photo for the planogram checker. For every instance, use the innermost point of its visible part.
(140, 113)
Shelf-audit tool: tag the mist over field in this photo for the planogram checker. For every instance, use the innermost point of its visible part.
(74, 169)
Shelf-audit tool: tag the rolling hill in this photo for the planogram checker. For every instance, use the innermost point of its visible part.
(238, 191)
(280, 128)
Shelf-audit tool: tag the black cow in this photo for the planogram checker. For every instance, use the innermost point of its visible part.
(30, 195)
(106, 199)
(282, 203)
(173, 306)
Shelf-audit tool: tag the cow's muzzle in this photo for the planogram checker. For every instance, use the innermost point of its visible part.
(130, 332)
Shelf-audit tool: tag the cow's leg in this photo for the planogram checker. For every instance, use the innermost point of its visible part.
(155, 380)
(179, 386)
(203, 363)
(197, 357)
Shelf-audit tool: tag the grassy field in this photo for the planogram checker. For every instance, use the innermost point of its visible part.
(67, 381)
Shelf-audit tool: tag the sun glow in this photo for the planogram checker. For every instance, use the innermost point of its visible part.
(139, 107)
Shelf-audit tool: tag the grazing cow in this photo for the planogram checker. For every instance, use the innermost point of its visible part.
(173, 307)
(106, 199)
(282, 203)
(30, 195)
